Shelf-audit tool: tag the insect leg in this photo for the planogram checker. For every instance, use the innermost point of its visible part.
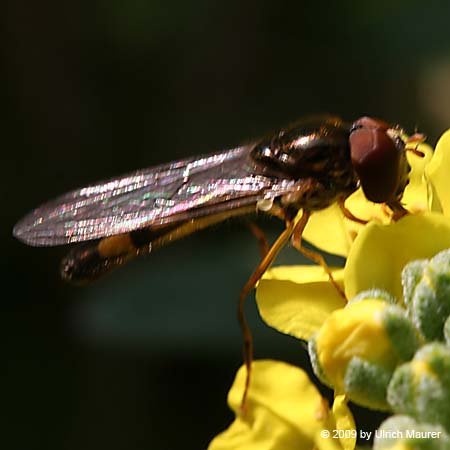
(394, 210)
(260, 236)
(313, 256)
(416, 138)
(248, 287)
(397, 209)
(347, 213)
(277, 211)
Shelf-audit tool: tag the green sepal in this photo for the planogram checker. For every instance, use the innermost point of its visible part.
(437, 356)
(314, 358)
(373, 294)
(411, 275)
(366, 383)
(401, 331)
(447, 330)
(429, 301)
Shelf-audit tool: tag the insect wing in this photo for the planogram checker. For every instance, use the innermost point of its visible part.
(189, 188)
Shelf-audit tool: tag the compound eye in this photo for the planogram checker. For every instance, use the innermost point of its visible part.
(377, 159)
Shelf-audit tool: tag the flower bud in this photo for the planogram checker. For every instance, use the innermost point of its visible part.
(358, 347)
(426, 290)
(447, 330)
(404, 433)
(421, 387)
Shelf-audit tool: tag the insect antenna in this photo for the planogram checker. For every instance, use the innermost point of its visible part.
(417, 138)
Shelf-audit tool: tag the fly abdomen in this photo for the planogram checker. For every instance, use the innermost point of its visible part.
(90, 261)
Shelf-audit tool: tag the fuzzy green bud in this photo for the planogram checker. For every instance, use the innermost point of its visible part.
(421, 387)
(358, 347)
(378, 294)
(447, 330)
(404, 433)
(426, 290)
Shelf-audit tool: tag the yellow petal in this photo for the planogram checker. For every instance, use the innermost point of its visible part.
(284, 411)
(336, 239)
(380, 252)
(344, 421)
(329, 230)
(296, 300)
(415, 197)
(437, 173)
(358, 205)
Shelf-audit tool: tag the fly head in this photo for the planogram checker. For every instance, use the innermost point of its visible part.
(379, 159)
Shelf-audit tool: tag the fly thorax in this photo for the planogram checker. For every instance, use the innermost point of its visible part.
(312, 194)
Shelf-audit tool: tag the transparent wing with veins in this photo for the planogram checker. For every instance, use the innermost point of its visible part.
(185, 189)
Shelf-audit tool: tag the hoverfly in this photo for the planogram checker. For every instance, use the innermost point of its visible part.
(307, 166)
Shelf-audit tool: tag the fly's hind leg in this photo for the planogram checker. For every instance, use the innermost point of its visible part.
(248, 287)
(263, 243)
(275, 211)
(296, 241)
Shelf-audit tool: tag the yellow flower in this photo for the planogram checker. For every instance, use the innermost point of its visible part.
(284, 411)
(343, 353)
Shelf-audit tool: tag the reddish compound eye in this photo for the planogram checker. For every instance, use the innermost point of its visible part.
(379, 160)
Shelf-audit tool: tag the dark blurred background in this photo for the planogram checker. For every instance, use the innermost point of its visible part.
(144, 358)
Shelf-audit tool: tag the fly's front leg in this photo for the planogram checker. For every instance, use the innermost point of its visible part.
(296, 241)
(309, 194)
(347, 213)
(398, 211)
